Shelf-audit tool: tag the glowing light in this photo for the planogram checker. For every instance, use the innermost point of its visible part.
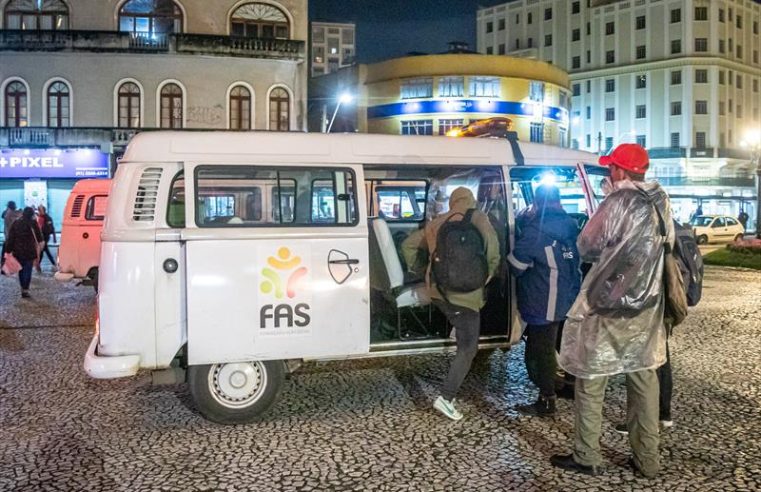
(752, 137)
(455, 132)
(576, 120)
(345, 98)
(548, 179)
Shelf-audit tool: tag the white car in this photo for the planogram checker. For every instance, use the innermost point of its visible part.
(716, 228)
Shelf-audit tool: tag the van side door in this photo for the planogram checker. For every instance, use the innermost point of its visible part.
(276, 273)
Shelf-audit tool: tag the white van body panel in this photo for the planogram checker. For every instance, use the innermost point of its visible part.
(215, 298)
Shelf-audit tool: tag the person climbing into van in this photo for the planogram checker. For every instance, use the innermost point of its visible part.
(617, 325)
(464, 255)
(45, 222)
(23, 240)
(546, 262)
(10, 214)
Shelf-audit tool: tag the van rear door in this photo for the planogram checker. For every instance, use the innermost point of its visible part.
(277, 262)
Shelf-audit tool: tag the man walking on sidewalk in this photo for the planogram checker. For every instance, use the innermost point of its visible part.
(616, 324)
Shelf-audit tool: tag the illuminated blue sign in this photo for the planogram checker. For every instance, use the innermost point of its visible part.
(467, 106)
(53, 163)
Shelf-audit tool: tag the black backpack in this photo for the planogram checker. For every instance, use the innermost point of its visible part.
(690, 263)
(459, 262)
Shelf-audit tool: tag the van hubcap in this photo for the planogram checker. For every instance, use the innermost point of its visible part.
(238, 384)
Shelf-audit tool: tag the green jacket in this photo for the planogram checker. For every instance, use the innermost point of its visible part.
(424, 240)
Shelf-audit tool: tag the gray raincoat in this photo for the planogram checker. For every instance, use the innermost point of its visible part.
(616, 324)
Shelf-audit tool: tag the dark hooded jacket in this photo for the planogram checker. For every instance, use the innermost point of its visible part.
(546, 260)
(23, 238)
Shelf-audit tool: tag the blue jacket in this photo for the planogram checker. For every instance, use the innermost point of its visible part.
(547, 263)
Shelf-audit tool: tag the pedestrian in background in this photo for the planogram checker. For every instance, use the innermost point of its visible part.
(10, 214)
(24, 243)
(546, 261)
(45, 222)
(616, 325)
(462, 309)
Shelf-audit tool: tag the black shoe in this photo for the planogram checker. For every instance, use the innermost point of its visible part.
(566, 462)
(25, 294)
(542, 407)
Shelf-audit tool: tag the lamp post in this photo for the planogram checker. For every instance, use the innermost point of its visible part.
(344, 98)
(753, 143)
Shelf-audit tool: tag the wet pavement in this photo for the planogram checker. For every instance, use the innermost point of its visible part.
(363, 425)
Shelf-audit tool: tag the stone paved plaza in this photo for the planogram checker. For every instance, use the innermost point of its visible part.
(365, 425)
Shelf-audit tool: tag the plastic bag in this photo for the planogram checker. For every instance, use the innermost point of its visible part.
(11, 265)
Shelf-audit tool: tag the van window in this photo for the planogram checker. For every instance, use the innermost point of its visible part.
(96, 207)
(175, 216)
(248, 196)
(397, 200)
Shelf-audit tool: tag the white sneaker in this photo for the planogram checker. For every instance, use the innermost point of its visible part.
(447, 408)
(667, 424)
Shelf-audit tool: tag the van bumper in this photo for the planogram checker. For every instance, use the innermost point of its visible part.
(63, 277)
(109, 367)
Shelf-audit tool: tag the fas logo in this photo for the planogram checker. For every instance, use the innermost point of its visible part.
(283, 278)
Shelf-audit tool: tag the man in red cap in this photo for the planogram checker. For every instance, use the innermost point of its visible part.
(616, 325)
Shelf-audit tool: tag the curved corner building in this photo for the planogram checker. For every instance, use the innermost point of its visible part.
(432, 94)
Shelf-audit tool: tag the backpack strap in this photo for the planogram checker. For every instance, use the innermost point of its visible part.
(468, 217)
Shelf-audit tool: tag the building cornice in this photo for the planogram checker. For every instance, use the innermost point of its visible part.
(665, 64)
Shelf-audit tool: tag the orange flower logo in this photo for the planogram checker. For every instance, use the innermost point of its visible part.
(287, 264)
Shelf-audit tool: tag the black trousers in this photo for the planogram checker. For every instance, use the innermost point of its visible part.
(46, 251)
(666, 387)
(541, 358)
(467, 325)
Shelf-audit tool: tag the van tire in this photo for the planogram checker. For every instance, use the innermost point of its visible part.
(94, 277)
(214, 387)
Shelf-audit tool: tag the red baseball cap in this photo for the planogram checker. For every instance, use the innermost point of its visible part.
(631, 157)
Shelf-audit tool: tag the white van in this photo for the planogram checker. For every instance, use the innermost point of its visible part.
(228, 258)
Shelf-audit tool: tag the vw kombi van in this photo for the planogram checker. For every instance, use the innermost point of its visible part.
(79, 250)
(229, 257)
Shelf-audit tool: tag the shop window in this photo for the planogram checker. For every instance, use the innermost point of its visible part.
(280, 110)
(59, 110)
(171, 106)
(451, 86)
(484, 86)
(16, 105)
(259, 20)
(536, 91)
(240, 108)
(417, 127)
(446, 126)
(43, 15)
(144, 18)
(129, 105)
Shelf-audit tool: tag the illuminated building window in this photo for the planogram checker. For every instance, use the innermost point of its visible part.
(260, 20)
(129, 105)
(16, 109)
(145, 18)
(49, 15)
(417, 127)
(417, 88)
(448, 125)
(536, 91)
(484, 86)
(58, 105)
(451, 86)
(537, 132)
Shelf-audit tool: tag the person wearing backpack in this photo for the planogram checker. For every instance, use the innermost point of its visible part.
(546, 261)
(691, 266)
(464, 254)
(617, 323)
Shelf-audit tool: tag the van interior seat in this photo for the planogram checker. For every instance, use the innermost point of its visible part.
(386, 272)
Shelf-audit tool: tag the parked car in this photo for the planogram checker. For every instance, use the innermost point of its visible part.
(79, 250)
(716, 228)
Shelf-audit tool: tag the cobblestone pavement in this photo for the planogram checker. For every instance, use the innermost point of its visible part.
(363, 425)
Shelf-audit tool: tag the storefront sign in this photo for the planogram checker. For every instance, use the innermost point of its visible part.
(53, 163)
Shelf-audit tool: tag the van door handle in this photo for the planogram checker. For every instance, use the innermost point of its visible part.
(348, 261)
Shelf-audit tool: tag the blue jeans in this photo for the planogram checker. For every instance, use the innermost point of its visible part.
(25, 275)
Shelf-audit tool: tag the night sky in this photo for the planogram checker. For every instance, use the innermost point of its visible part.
(391, 28)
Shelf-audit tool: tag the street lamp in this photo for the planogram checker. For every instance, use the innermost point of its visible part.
(344, 98)
(753, 143)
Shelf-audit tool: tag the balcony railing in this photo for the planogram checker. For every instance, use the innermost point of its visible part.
(125, 42)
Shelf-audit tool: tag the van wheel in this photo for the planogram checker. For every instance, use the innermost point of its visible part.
(235, 393)
(739, 237)
(94, 277)
(703, 239)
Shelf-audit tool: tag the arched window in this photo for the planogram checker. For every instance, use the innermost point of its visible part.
(240, 108)
(280, 110)
(16, 107)
(259, 20)
(171, 106)
(36, 14)
(150, 17)
(129, 105)
(59, 110)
